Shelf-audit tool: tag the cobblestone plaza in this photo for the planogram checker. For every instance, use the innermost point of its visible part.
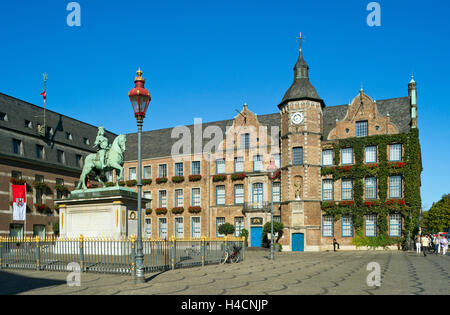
(323, 273)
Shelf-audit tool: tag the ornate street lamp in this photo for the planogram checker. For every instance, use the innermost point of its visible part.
(140, 98)
(272, 172)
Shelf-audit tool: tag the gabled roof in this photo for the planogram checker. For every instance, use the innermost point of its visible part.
(158, 143)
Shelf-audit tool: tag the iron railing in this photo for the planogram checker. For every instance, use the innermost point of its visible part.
(106, 255)
(257, 206)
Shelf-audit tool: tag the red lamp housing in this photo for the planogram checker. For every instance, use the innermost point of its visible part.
(139, 96)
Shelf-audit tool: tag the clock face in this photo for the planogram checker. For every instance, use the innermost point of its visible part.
(297, 118)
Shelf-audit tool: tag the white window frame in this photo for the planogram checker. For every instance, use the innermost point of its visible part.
(370, 152)
(345, 154)
(179, 198)
(327, 157)
(179, 230)
(327, 226)
(160, 230)
(196, 200)
(395, 152)
(196, 232)
(162, 200)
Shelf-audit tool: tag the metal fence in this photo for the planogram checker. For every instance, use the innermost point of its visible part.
(105, 255)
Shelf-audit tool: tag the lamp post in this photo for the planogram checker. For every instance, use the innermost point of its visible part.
(272, 172)
(140, 98)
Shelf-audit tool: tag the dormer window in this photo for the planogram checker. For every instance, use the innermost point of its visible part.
(362, 128)
(86, 141)
(50, 131)
(28, 124)
(3, 117)
(68, 136)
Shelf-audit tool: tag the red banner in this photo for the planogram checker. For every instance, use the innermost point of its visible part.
(19, 202)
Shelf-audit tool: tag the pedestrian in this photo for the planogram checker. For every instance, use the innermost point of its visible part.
(444, 244)
(418, 244)
(437, 244)
(335, 243)
(424, 241)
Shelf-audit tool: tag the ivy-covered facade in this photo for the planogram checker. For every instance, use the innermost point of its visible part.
(407, 204)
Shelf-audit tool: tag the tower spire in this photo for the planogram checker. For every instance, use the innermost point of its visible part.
(301, 67)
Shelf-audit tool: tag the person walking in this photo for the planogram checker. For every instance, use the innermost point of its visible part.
(437, 244)
(335, 243)
(424, 241)
(418, 244)
(444, 244)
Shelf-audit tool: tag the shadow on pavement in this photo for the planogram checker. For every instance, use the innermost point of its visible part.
(11, 283)
(154, 276)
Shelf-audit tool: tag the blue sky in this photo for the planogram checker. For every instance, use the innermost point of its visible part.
(206, 58)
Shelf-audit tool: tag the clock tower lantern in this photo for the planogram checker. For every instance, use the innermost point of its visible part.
(301, 133)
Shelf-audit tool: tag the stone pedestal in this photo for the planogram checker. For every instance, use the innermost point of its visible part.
(103, 212)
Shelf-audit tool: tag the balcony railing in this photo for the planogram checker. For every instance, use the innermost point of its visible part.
(257, 206)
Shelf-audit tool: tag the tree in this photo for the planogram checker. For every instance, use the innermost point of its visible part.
(437, 219)
(56, 228)
(277, 228)
(244, 233)
(226, 229)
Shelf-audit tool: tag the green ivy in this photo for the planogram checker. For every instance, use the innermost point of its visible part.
(410, 169)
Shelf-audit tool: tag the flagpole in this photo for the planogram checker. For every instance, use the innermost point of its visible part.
(25, 221)
(45, 97)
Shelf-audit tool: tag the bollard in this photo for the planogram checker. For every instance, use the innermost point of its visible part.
(172, 252)
(133, 256)
(38, 254)
(203, 250)
(81, 241)
(243, 248)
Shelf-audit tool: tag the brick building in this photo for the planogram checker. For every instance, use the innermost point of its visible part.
(302, 138)
(48, 159)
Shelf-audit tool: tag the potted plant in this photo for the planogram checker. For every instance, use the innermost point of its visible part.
(131, 183)
(219, 178)
(226, 229)
(161, 180)
(238, 176)
(17, 181)
(39, 185)
(195, 178)
(148, 211)
(178, 179)
(160, 211)
(178, 210)
(195, 210)
(146, 181)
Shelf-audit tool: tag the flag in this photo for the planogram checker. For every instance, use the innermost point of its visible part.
(19, 202)
(44, 94)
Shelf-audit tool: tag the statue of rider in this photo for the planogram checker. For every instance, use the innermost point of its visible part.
(102, 145)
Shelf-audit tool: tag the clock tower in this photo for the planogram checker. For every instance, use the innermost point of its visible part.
(301, 133)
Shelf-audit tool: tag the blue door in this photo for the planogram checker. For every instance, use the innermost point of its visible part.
(256, 236)
(298, 242)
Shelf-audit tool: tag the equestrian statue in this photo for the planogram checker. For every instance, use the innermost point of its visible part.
(108, 158)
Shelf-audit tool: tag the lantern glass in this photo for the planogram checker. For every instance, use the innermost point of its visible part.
(135, 103)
